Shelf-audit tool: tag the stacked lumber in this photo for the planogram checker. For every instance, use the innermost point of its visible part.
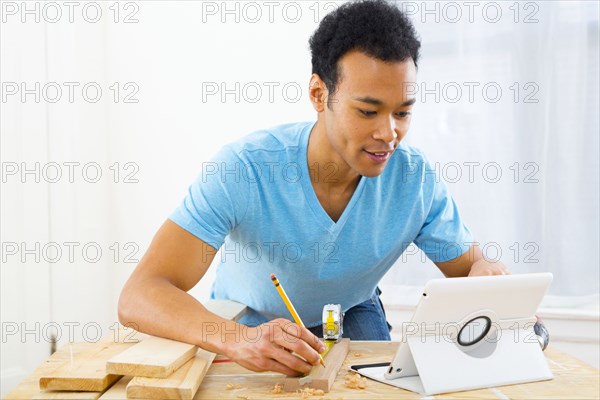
(152, 368)
(182, 383)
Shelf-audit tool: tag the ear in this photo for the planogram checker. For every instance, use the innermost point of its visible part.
(317, 92)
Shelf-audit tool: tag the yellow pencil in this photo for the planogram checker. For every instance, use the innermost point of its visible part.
(290, 307)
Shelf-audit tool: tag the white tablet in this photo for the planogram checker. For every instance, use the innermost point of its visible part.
(471, 323)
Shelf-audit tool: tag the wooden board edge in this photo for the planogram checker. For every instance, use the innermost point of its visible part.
(138, 390)
(148, 370)
(322, 378)
(74, 384)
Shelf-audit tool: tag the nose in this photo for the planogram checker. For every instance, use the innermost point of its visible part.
(386, 131)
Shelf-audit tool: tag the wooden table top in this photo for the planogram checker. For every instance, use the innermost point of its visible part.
(572, 379)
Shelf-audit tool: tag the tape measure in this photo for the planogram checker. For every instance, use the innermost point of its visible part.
(333, 319)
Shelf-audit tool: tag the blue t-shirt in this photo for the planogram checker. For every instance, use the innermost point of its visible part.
(256, 202)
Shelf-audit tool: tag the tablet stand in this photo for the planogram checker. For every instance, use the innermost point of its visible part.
(509, 353)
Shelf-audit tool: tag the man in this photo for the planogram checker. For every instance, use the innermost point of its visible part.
(327, 206)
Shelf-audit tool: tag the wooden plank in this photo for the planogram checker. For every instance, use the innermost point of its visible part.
(85, 370)
(227, 309)
(153, 357)
(59, 395)
(181, 384)
(118, 391)
(322, 378)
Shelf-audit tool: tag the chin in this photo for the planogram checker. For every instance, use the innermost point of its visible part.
(367, 167)
(371, 172)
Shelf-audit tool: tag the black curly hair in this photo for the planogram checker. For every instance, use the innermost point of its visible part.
(377, 28)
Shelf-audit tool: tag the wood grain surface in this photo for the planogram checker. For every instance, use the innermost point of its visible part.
(181, 384)
(227, 380)
(86, 369)
(153, 357)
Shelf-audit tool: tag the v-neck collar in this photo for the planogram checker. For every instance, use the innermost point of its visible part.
(309, 192)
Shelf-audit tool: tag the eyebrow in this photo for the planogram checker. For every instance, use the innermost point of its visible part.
(377, 102)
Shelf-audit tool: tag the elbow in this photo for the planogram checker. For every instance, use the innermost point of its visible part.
(125, 308)
(134, 302)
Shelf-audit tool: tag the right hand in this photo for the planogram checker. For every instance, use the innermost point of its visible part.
(269, 347)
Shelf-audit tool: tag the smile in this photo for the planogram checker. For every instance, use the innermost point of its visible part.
(379, 157)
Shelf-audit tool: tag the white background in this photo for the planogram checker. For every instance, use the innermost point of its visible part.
(542, 213)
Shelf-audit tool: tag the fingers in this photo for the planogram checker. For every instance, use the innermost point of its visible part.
(272, 351)
(267, 364)
(266, 355)
(485, 268)
(292, 361)
(301, 341)
(305, 335)
(501, 270)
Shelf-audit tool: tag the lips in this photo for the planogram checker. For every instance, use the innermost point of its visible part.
(379, 156)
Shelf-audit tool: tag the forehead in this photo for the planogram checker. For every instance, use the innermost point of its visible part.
(364, 75)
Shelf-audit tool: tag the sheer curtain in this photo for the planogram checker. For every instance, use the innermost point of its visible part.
(532, 117)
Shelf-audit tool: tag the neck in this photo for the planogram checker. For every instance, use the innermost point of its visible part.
(327, 168)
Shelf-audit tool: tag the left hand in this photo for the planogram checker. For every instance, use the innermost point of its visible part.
(483, 267)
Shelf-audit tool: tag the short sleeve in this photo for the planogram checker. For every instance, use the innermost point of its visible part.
(443, 235)
(217, 200)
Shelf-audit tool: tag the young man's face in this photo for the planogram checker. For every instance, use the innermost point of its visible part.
(370, 112)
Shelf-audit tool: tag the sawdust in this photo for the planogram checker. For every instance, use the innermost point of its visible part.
(355, 381)
(231, 386)
(243, 397)
(307, 392)
(277, 389)
(357, 354)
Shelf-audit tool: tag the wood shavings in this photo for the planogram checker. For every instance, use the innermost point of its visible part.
(231, 386)
(307, 392)
(242, 397)
(277, 389)
(355, 381)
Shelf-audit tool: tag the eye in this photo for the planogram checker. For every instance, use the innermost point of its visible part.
(403, 114)
(367, 113)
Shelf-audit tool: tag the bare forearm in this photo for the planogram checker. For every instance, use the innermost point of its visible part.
(159, 308)
(471, 263)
